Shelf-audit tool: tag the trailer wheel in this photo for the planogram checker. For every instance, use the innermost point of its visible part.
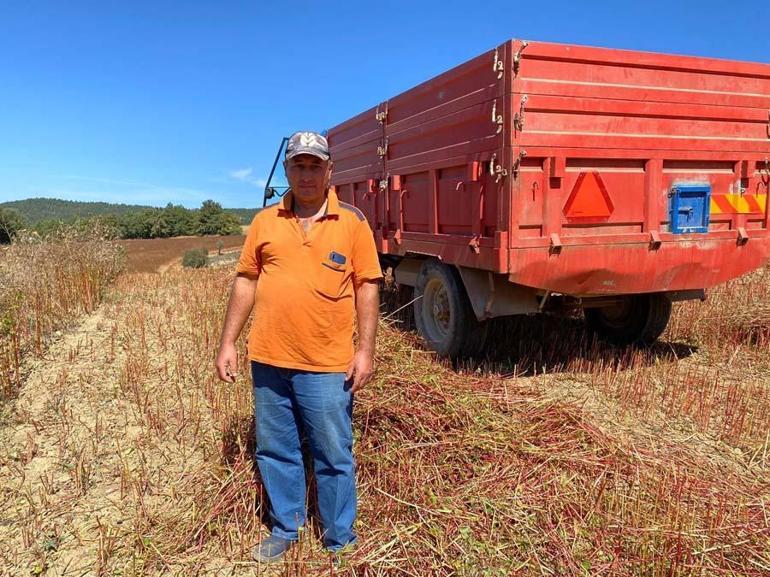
(638, 319)
(443, 313)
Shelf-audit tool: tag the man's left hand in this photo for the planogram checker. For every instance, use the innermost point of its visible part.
(360, 369)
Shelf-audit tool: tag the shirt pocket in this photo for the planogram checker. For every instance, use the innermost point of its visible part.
(331, 277)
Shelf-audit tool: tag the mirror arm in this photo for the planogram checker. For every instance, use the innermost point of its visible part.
(270, 191)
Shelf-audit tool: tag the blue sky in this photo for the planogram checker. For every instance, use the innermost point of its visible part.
(162, 101)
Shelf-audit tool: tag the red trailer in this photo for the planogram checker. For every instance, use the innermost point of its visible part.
(537, 173)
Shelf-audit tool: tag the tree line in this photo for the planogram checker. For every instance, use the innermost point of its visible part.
(171, 220)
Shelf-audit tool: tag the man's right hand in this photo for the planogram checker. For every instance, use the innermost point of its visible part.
(227, 363)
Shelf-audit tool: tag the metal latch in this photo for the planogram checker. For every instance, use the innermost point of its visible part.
(497, 118)
(498, 66)
(517, 162)
(518, 118)
(474, 244)
(383, 184)
(517, 56)
(497, 169)
(381, 115)
(382, 150)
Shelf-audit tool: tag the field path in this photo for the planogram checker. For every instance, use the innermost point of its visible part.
(60, 472)
(92, 458)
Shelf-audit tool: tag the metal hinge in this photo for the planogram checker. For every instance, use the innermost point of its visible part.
(517, 56)
(497, 118)
(497, 169)
(517, 162)
(381, 115)
(383, 149)
(518, 118)
(498, 66)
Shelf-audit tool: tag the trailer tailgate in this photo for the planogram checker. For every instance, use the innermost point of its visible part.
(610, 144)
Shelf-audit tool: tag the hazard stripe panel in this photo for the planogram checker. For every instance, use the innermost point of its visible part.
(738, 203)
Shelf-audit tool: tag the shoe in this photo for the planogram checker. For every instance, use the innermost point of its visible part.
(338, 557)
(270, 549)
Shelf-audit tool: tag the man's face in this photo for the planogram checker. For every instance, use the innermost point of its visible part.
(308, 177)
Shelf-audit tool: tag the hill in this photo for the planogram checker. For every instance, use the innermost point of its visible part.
(34, 210)
(245, 215)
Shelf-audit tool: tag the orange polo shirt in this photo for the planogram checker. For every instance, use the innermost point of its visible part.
(305, 297)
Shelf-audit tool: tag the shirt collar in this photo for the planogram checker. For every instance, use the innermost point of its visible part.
(332, 206)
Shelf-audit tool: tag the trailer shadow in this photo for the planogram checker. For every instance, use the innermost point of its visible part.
(529, 345)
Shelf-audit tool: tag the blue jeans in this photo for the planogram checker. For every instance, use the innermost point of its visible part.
(286, 403)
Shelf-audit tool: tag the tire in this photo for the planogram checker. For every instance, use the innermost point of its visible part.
(443, 313)
(639, 319)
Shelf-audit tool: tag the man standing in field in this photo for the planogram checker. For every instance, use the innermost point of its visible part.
(312, 265)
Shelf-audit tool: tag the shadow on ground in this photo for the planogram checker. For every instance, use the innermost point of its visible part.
(526, 345)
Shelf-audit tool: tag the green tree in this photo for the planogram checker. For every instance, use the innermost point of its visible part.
(213, 220)
(157, 226)
(10, 223)
(136, 224)
(178, 220)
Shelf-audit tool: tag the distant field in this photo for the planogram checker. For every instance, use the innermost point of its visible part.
(146, 255)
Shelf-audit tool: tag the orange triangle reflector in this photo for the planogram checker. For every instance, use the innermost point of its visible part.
(588, 199)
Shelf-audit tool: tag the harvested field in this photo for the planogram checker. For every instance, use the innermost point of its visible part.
(148, 255)
(44, 287)
(555, 455)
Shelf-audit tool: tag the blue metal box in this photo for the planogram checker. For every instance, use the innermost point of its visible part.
(690, 207)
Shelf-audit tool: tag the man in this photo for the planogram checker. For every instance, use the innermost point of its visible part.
(311, 264)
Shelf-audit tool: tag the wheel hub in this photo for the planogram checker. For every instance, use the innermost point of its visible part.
(437, 302)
